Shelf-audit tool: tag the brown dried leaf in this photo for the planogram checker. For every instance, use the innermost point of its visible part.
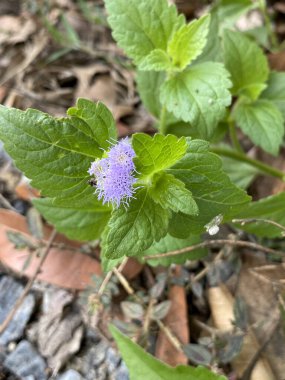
(31, 51)
(259, 287)
(222, 309)
(264, 185)
(63, 267)
(24, 191)
(15, 29)
(273, 274)
(177, 322)
(277, 61)
(132, 269)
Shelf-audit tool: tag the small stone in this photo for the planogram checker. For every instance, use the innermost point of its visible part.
(26, 362)
(92, 358)
(97, 353)
(112, 360)
(2, 357)
(70, 374)
(101, 373)
(6, 374)
(11, 346)
(93, 336)
(10, 291)
(60, 328)
(121, 373)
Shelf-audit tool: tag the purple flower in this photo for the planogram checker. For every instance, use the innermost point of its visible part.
(114, 175)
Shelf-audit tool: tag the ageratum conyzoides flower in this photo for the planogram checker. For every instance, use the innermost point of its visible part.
(114, 175)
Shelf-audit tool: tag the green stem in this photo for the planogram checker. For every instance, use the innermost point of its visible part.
(266, 169)
(162, 121)
(234, 138)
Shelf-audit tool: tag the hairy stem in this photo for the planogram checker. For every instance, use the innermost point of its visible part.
(264, 168)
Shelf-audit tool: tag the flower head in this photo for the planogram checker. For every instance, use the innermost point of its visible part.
(114, 174)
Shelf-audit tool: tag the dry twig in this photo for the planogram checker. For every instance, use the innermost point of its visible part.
(257, 220)
(172, 338)
(109, 276)
(213, 243)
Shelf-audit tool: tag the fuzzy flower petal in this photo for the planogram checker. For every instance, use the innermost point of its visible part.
(114, 175)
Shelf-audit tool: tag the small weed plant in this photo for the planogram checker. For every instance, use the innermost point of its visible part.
(148, 194)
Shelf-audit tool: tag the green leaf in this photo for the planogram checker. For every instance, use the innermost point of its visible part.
(156, 153)
(272, 208)
(76, 222)
(52, 152)
(148, 83)
(140, 26)
(213, 49)
(214, 193)
(71, 33)
(56, 154)
(144, 366)
(171, 193)
(275, 90)
(262, 122)
(188, 42)
(240, 173)
(260, 35)
(96, 121)
(246, 63)
(170, 243)
(197, 354)
(107, 264)
(132, 230)
(156, 60)
(198, 95)
(230, 10)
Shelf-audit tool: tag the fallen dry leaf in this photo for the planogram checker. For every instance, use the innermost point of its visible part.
(259, 285)
(264, 185)
(14, 29)
(132, 269)
(222, 310)
(273, 274)
(177, 322)
(63, 267)
(32, 50)
(277, 61)
(86, 81)
(26, 192)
